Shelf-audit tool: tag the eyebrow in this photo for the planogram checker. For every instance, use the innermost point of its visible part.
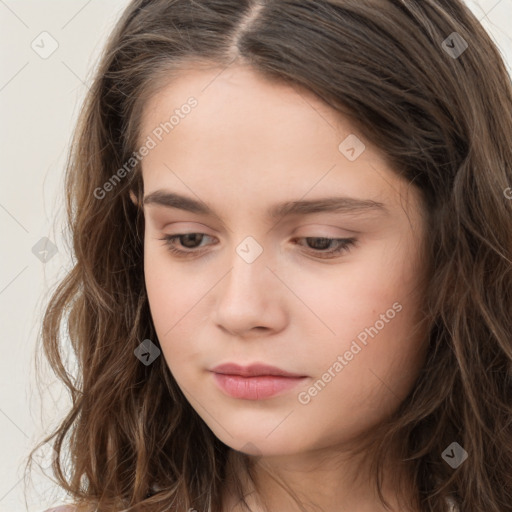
(345, 205)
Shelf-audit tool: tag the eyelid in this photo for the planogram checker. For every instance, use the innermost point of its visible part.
(342, 246)
(190, 227)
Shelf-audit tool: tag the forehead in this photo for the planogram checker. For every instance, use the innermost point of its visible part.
(237, 110)
(248, 134)
(237, 88)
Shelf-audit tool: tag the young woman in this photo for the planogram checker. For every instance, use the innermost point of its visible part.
(292, 227)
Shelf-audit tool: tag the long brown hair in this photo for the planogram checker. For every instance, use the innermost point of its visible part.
(423, 81)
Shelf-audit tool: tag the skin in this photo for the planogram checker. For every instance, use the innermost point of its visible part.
(248, 145)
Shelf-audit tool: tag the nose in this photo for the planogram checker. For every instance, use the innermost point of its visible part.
(250, 298)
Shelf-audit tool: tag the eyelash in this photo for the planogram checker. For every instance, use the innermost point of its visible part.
(345, 245)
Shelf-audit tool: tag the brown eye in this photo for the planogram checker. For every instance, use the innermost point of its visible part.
(190, 241)
(320, 244)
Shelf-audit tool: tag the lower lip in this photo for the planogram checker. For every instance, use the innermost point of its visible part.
(255, 388)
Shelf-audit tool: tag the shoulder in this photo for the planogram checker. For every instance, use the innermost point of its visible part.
(63, 508)
(69, 508)
(452, 504)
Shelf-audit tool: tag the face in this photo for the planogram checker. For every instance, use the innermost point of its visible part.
(324, 288)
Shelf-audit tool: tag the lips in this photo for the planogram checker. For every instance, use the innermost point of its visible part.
(253, 370)
(254, 382)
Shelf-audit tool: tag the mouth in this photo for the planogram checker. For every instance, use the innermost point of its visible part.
(254, 382)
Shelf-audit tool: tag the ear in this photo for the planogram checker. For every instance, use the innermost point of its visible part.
(133, 197)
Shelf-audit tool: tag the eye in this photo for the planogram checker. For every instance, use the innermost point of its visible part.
(191, 240)
(322, 243)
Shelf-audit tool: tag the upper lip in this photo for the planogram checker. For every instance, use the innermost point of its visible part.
(253, 370)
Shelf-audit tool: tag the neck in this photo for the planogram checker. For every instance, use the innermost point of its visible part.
(326, 480)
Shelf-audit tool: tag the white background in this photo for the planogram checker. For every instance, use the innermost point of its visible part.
(39, 102)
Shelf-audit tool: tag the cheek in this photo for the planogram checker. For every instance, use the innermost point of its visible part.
(161, 287)
(172, 286)
(374, 303)
(380, 336)
(176, 294)
(166, 295)
(346, 298)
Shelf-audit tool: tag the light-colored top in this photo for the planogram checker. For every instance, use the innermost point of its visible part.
(70, 508)
(63, 508)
